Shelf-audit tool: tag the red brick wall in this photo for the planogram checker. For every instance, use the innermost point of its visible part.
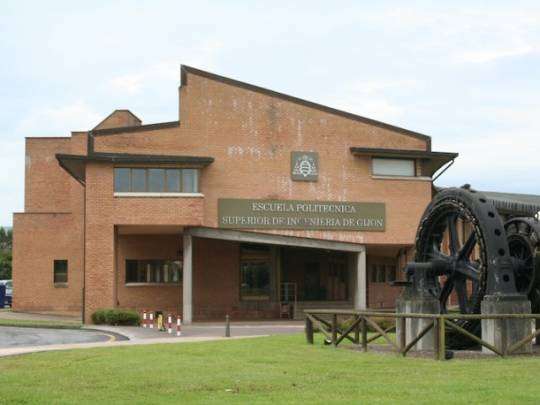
(251, 135)
(39, 239)
(167, 298)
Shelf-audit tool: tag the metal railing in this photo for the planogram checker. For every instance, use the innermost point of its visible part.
(360, 320)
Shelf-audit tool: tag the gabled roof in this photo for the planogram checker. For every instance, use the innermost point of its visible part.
(232, 82)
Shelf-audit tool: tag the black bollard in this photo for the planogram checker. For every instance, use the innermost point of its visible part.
(227, 326)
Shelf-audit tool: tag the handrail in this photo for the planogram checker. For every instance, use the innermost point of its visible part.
(426, 316)
(362, 318)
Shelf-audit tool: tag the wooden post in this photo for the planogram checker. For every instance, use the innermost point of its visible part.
(537, 324)
(364, 334)
(309, 330)
(334, 329)
(442, 339)
(402, 334)
(357, 331)
(436, 338)
(504, 337)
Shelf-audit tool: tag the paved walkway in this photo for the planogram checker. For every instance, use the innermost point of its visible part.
(208, 329)
(27, 340)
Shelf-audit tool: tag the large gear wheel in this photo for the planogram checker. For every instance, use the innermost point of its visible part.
(523, 235)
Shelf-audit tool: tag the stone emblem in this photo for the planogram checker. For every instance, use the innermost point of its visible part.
(305, 166)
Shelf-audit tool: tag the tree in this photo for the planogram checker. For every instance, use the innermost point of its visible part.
(6, 243)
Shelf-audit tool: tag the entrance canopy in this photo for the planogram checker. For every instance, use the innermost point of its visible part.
(252, 237)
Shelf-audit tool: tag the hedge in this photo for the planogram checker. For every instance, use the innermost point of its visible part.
(111, 316)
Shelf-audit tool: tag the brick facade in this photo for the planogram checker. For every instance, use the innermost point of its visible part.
(250, 133)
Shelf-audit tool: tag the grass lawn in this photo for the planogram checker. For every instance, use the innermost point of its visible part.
(280, 369)
(40, 324)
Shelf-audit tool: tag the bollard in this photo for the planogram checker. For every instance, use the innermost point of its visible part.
(151, 320)
(144, 323)
(178, 326)
(169, 324)
(227, 326)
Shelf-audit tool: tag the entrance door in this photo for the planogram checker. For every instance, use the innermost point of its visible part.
(312, 282)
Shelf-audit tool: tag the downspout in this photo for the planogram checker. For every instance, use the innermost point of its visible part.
(89, 151)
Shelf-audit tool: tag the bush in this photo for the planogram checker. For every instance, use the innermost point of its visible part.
(111, 316)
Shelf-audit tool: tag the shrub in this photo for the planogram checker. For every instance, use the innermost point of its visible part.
(111, 316)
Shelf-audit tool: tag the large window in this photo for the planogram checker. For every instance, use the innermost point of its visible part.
(154, 271)
(255, 271)
(393, 167)
(155, 180)
(60, 271)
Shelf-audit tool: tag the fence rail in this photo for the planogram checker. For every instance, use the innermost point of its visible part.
(359, 321)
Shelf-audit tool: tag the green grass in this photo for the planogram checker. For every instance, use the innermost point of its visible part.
(23, 323)
(280, 369)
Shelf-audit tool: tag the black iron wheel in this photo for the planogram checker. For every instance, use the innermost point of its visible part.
(523, 236)
(462, 231)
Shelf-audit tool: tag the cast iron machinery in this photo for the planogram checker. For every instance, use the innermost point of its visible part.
(464, 252)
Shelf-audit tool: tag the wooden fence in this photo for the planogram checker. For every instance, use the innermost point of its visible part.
(357, 330)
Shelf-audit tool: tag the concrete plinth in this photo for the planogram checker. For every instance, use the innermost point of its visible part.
(414, 326)
(502, 333)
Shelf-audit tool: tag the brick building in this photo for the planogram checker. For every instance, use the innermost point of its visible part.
(252, 200)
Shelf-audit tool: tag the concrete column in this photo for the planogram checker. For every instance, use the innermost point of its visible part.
(360, 294)
(187, 282)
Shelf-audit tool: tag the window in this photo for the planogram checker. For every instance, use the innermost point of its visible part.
(154, 271)
(155, 180)
(60, 271)
(393, 167)
(121, 179)
(255, 270)
(382, 273)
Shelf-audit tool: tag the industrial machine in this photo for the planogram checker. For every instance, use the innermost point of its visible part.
(466, 252)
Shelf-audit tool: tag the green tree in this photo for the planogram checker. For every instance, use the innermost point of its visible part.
(6, 243)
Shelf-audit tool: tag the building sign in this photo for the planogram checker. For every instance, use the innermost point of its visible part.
(306, 215)
(304, 166)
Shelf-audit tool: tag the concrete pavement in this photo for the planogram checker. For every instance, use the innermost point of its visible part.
(29, 340)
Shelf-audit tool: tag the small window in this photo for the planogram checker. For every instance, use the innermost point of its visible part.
(156, 180)
(138, 180)
(154, 271)
(189, 180)
(121, 179)
(60, 271)
(393, 167)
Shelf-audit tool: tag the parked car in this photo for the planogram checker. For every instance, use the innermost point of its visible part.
(9, 291)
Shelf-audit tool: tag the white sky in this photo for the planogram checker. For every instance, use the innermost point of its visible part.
(466, 73)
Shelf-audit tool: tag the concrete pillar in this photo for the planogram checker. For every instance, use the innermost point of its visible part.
(502, 333)
(187, 282)
(360, 294)
(413, 326)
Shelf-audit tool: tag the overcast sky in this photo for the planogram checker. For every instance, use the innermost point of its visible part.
(467, 74)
